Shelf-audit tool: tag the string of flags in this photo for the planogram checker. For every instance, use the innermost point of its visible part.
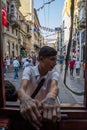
(56, 29)
(49, 2)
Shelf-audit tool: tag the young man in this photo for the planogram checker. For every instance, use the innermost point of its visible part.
(44, 105)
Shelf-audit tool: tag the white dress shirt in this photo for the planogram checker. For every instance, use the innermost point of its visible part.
(32, 73)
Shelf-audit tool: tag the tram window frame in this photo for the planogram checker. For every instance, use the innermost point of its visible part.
(73, 110)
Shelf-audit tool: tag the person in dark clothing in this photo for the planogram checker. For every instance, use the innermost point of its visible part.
(34, 60)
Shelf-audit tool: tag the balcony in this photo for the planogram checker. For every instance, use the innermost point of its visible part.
(81, 3)
(82, 23)
(13, 21)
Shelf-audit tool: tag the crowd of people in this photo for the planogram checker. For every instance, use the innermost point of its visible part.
(16, 63)
(23, 62)
(76, 65)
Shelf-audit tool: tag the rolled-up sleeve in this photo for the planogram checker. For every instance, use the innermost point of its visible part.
(26, 73)
(55, 75)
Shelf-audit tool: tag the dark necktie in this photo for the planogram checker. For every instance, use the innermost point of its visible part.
(38, 88)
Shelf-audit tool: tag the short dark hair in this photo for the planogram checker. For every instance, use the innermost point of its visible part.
(47, 51)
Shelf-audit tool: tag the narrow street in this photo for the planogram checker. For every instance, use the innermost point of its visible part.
(72, 94)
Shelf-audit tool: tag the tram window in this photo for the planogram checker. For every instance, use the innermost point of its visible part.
(73, 91)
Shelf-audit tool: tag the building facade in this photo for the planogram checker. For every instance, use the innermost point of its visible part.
(19, 36)
(79, 25)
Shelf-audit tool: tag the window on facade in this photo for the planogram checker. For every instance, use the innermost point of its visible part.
(8, 28)
(28, 29)
(12, 45)
(82, 14)
(12, 30)
(12, 10)
(16, 32)
(7, 7)
(8, 49)
(16, 47)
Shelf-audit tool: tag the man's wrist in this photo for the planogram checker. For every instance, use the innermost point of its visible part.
(26, 99)
(51, 95)
(49, 101)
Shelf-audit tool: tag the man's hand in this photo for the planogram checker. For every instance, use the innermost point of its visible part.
(51, 109)
(29, 110)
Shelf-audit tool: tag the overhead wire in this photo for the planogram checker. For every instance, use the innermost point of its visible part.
(46, 19)
(44, 14)
(49, 2)
(48, 13)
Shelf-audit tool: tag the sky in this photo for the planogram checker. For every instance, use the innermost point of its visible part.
(50, 15)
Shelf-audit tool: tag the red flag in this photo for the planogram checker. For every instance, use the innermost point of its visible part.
(4, 17)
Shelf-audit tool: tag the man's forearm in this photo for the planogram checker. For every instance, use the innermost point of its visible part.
(22, 91)
(53, 92)
(22, 95)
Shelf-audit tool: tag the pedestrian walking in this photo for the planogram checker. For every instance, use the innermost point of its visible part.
(30, 60)
(39, 89)
(4, 66)
(23, 59)
(78, 66)
(16, 67)
(84, 67)
(71, 66)
(61, 62)
(8, 62)
(27, 63)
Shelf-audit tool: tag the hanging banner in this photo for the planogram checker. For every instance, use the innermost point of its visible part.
(4, 15)
(37, 29)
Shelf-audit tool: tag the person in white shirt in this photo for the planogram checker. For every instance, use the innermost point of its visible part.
(30, 60)
(23, 60)
(77, 66)
(44, 105)
(27, 63)
(8, 62)
(16, 67)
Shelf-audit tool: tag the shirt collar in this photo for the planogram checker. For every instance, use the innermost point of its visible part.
(37, 73)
